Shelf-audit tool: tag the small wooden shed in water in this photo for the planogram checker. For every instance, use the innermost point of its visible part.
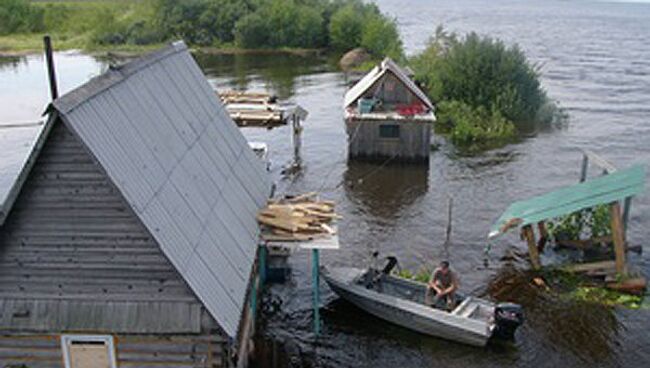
(129, 238)
(388, 117)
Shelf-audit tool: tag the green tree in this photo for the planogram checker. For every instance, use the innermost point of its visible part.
(380, 36)
(19, 16)
(345, 28)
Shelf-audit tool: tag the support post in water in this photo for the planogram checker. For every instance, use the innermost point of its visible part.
(585, 166)
(529, 235)
(315, 276)
(54, 90)
(626, 213)
(449, 209)
(618, 237)
(297, 139)
(263, 259)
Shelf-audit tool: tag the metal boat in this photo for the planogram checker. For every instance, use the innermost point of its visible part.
(473, 321)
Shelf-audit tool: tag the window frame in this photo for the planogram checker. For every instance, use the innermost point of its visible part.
(108, 341)
(392, 128)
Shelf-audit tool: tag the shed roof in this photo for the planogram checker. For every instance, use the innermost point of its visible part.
(602, 190)
(17, 143)
(387, 65)
(162, 137)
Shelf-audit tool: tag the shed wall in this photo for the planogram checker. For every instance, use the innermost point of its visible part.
(73, 256)
(365, 142)
(133, 351)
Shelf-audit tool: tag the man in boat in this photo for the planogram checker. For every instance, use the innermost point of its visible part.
(442, 284)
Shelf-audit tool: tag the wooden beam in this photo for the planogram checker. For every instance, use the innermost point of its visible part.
(626, 214)
(618, 237)
(585, 165)
(543, 236)
(529, 235)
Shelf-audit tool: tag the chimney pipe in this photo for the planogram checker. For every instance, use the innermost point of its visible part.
(54, 91)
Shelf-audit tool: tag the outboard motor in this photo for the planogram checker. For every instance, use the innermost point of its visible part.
(507, 317)
(390, 265)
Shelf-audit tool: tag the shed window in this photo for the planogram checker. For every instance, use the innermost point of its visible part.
(82, 351)
(389, 131)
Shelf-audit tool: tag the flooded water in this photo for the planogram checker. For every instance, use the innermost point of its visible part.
(595, 58)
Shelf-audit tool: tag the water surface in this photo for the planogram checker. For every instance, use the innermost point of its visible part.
(595, 57)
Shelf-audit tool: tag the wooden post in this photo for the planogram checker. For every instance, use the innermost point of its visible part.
(297, 139)
(315, 277)
(626, 214)
(263, 258)
(529, 235)
(449, 209)
(54, 91)
(618, 237)
(585, 165)
(543, 236)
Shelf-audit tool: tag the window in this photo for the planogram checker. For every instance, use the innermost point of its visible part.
(84, 351)
(388, 131)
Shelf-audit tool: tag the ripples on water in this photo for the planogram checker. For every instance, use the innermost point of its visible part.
(595, 60)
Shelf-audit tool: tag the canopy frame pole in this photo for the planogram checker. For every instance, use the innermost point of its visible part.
(543, 236)
(626, 213)
(315, 274)
(529, 235)
(618, 237)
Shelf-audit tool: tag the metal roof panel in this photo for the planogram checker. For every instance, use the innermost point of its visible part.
(602, 190)
(162, 136)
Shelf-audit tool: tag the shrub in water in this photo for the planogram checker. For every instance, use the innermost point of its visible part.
(493, 84)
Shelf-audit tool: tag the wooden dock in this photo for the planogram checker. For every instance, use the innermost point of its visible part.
(250, 109)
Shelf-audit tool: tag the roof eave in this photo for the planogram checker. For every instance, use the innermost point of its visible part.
(7, 205)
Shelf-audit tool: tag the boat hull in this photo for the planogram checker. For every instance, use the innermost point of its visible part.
(414, 316)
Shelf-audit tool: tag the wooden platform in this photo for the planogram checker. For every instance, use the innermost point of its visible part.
(250, 109)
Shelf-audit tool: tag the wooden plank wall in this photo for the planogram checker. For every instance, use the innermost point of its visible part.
(413, 144)
(71, 235)
(133, 351)
(74, 256)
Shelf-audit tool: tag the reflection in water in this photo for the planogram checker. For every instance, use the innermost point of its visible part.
(278, 70)
(11, 62)
(383, 191)
(402, 210)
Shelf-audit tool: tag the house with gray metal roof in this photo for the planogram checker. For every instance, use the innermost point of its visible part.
(129, 237)
(388, 117)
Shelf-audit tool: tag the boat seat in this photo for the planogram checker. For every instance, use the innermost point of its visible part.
(469, 310)
(461, 307)
(466, 308)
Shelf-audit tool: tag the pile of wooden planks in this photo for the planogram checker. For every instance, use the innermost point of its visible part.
(253, 109)
(299, 218)
(246, 97)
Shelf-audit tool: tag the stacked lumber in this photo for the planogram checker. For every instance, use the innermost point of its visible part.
(253, 109)
(300, 218)
(245, 97)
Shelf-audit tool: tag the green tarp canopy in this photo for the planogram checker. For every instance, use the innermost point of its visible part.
(602, 190)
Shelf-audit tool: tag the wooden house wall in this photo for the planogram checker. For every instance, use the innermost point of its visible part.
(132, 351)
(413, 144)
(75, 258)
(391, 91)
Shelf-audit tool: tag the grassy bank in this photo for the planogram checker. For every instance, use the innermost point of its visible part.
(213, 25)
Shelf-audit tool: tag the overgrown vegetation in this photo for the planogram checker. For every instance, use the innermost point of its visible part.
(422, 275)
(593, 222)
(484, 89)
(18, 16)
(253, 24)
(363, 25)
